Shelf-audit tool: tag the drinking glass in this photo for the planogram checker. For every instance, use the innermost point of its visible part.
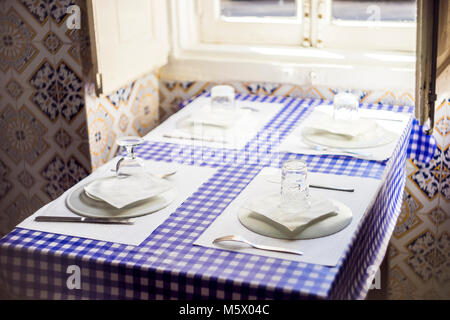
(346, 106)
(222, 98)
(295, 195)
(130, 164)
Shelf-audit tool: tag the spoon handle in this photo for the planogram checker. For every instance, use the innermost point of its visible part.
(237, 238)
(276, 249)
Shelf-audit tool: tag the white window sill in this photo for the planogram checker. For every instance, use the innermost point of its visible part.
(294, 65)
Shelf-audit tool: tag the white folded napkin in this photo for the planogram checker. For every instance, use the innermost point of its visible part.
(268, 207)
(351, 128)
(120, 192)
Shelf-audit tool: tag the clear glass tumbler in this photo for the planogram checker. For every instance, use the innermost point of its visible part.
(295, 195)
(346, 106)
(222, 98)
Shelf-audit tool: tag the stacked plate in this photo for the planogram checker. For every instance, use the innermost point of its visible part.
(124, 197)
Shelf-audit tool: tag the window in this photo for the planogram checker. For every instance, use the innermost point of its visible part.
(396, 10)
(304, 42)
(340, 24)
(259, 8)
(252, 21)
(364, 24)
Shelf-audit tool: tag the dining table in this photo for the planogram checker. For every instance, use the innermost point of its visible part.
(166, 262)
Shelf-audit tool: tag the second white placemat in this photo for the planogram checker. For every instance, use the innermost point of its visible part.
(324, 251)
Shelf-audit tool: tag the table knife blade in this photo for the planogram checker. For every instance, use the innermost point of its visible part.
(83, 220)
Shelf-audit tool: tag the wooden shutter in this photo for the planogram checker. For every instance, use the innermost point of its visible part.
(129, 38)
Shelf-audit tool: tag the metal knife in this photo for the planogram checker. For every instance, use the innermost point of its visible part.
(205, 139)
(83, 220)
(276, 179)
(331, 188)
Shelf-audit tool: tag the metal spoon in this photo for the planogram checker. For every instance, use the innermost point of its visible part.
(237, 238)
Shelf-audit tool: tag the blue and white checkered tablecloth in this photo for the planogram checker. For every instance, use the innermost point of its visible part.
(167, 264)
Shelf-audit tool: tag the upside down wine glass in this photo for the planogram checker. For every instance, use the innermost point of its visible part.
(130, 164)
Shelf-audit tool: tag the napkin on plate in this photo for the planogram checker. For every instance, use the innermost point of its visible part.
(120, 192)
(350, 128)
(268, 207)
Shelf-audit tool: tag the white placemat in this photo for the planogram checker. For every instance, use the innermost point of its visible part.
(294, 142)
(324, 251)
(233, 138)
(188, 179)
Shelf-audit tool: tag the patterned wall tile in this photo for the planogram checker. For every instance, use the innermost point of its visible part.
(131, 110)
(400, 287)
(38, 9)
(17, 210)
(143, 108)
(172, 93)
(17, 49)
(11, 90)
(442, 271)
(445, 184)
(59, 89)
(403, 281)
(101, 134)
(80, 149)
(426, 177)
(438, 216)
(27, 76)
(60, 173)
(52, 43)
(442, 278)
(64, 17)
(22, 135)
(5, 180)
(426, 259)
(5, 77)
(10, 188)
(51, 13)
(45, 86)
(409, 218)
(422, 255)
(14, 89)
(121, 97)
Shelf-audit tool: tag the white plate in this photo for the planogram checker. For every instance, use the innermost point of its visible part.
(320, 229)
(375, 138)
(78, 202)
